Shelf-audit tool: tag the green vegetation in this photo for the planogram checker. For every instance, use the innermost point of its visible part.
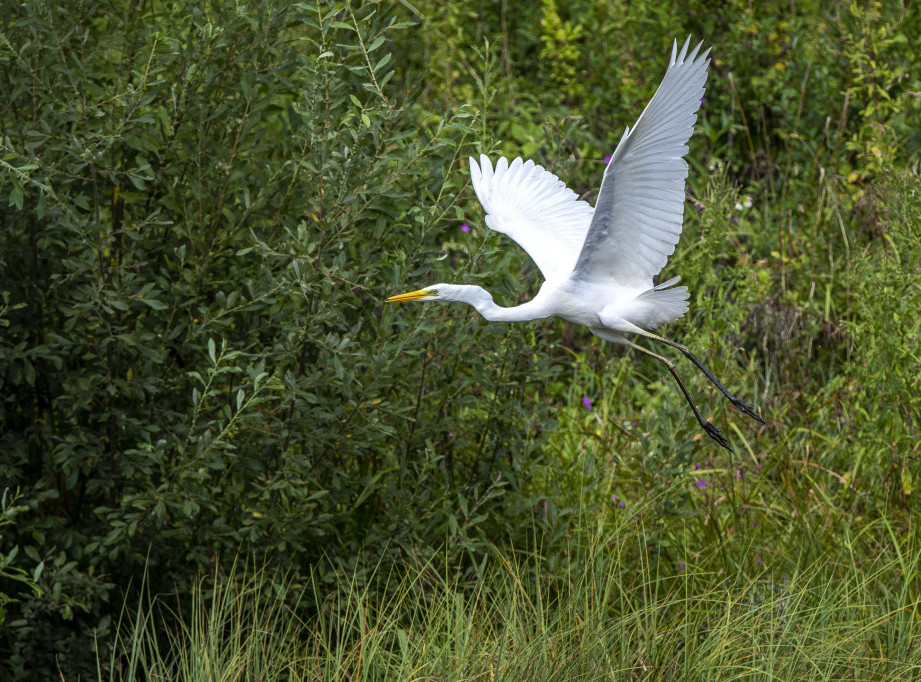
(594, 620)
(205, 205)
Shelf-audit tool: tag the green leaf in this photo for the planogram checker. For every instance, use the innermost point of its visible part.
(155, 303)
(16, 197)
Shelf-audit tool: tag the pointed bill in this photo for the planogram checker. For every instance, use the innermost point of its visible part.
(411, 296)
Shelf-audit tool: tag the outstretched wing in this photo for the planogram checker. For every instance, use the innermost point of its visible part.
(536, 209)
(640, 205)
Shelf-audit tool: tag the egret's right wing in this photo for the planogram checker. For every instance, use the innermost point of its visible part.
(639, 210)
(536, 209)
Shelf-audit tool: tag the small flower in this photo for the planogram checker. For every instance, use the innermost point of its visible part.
(607, 159)
(588, 403)
(703, 99)
(696, 467)
(623, 504)
(699, 206)
(680, 566)
(701, 484)
(450, 436)
(735, 219)
(758, 560)
(464, 227)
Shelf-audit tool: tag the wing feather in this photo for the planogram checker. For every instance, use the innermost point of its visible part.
(536, 209)
(640, 206)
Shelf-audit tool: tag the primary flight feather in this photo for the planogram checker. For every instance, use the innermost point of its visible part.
(599, 263)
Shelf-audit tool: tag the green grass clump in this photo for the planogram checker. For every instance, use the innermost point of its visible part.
(834, 619)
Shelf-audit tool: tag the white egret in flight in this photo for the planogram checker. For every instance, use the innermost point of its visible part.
(599, 263)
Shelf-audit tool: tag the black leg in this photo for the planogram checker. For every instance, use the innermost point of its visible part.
(740, 405)
(707, 426)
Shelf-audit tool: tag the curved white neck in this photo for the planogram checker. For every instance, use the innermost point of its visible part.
(532, 310)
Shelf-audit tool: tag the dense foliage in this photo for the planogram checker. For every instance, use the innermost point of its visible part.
(205, 205)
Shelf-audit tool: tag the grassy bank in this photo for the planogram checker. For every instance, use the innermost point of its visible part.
(845, 616)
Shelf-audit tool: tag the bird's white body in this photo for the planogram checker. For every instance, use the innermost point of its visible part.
(599, 263)
(600, 306)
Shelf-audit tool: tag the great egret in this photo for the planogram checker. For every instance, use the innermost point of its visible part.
(599, 263)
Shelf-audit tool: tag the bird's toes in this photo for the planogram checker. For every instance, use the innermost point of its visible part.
(716, 435)
(747, 409)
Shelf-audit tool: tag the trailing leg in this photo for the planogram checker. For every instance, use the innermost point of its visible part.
(707, 426)
(741, 405)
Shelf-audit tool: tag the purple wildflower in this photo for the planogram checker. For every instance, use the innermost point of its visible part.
(680, 566)
(757, 559)
(607, 158)
(735, 219)
(613, 497)
(623, 504)
(703, 99)
(696, 467)
(701, 484)
(465, 227)
(588, 403)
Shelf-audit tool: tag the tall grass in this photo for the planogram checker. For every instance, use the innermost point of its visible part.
(839, 617)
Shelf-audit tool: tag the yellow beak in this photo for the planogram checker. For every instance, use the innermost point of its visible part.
(411, 296)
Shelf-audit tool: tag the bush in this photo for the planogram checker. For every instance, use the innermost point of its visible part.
(207, 206)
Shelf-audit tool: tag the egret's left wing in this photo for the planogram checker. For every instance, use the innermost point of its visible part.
(640, 204)
(536, 209)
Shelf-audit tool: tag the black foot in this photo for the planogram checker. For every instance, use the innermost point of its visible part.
(747, 409)
(716, 435)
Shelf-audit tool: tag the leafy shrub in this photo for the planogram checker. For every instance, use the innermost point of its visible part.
(207, 206)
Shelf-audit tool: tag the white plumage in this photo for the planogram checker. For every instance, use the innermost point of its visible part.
(599, 263)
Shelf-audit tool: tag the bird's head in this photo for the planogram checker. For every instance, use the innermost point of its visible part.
(465, 293)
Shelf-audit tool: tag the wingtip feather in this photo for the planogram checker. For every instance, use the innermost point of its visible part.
(475, 174)
(684, 50)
